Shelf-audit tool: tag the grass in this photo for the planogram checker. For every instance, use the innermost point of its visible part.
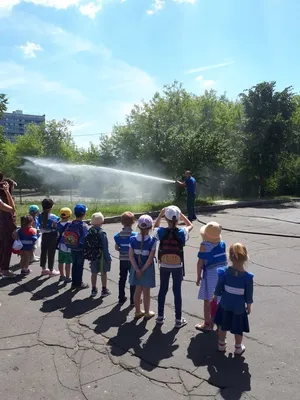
(110, 209)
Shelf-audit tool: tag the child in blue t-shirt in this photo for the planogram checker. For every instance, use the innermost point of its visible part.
(122, 240)
(235, 286)
(48, 224)
(142, 274)
(170, 255)
(34, 212)
(28, 236)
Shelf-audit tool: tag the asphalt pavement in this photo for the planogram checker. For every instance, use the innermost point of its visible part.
(57, 344)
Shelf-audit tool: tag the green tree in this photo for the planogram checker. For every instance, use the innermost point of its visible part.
(267, 131)
(3, 104)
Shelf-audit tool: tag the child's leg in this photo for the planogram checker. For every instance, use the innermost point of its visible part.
(207, 313)
(94, 280)
(146, 295)
(44, 248)
(122, 279)
(25, 261)
(222, 340)
(163, 290)
(239, 347)
(61, 269)
(137, 299)
(104, 280)
(68, 271)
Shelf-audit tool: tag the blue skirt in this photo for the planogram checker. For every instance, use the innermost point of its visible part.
(147, 280)
(228, 321)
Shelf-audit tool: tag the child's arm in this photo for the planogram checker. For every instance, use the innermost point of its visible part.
(220, 284)
(132, 259)
(33, 232)
(106, 254)
(116, 238)
(149, 261)
(200, 266)
(249, 293)
(189, 225)
(158, 220)
(117, 247)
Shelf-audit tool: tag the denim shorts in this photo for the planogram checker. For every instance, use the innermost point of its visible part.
(99, 266)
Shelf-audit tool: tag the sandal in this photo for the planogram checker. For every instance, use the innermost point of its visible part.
(139, 315)
(149, 315)
(203, 327)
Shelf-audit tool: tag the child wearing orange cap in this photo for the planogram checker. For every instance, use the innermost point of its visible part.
(64, 253)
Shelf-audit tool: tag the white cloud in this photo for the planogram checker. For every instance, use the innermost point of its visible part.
(209, 67)
(88, 9)
(91, 9)
(35, 81)
(157, 5)
(185, 1)
(30, 49)
(205, 83)
(208, 83)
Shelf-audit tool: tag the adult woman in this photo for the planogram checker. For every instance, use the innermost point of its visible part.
(7, 226)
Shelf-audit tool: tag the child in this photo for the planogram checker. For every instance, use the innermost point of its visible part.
(96, 250)
(28, 236)
(142, 274)
(212, 255)
(74, 237)
(122, 246)
(64, 253)
(48, 222)
(235, 286)
(34, 212)
(170, 255)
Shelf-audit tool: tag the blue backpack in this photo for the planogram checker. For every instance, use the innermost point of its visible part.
(72, 235)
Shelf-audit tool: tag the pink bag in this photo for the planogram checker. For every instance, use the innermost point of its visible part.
(213, 308)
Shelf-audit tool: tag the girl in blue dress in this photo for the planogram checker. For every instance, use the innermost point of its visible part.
(142, 274)
(235, 286)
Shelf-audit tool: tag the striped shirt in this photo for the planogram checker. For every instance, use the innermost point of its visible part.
(122, 240)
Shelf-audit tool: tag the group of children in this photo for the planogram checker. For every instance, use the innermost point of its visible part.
(227, 291)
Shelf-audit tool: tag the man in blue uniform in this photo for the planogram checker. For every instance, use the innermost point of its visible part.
(191, 188)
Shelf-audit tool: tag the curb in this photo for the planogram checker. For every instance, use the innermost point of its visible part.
(216, 207)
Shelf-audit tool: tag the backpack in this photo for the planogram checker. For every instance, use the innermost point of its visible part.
(61, 235)
(72, 235)
(170, 250)
(93, 247)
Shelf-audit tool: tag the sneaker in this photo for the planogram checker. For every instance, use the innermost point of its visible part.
(149, 315)
(105, 292)
(68, 280)
(53, 273)
(34, 259)
(222, 346)
(160, 320)
(45, 271)
(8, 275)
(62, 278)
(26, 271)
(179, 323)
(239, 349)
(80, 287)
(94, 292)
(122, 301)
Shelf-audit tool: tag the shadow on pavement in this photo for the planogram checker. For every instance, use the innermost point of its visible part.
(229, 373)
(59, 302)
(115, 318)
(81, 306)
(159, 346)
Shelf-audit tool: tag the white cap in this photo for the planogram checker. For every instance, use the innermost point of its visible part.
(173, 213)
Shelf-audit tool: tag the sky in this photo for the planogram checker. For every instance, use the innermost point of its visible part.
(90, 60)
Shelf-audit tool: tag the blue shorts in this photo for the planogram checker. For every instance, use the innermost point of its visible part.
(99, 266)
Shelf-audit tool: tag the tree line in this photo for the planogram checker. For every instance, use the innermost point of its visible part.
(248, 147)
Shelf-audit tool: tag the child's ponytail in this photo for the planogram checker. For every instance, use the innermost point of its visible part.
(238, 252)
(47, 204)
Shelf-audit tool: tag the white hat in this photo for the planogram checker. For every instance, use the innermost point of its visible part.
(145, 222)
(173, 213)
